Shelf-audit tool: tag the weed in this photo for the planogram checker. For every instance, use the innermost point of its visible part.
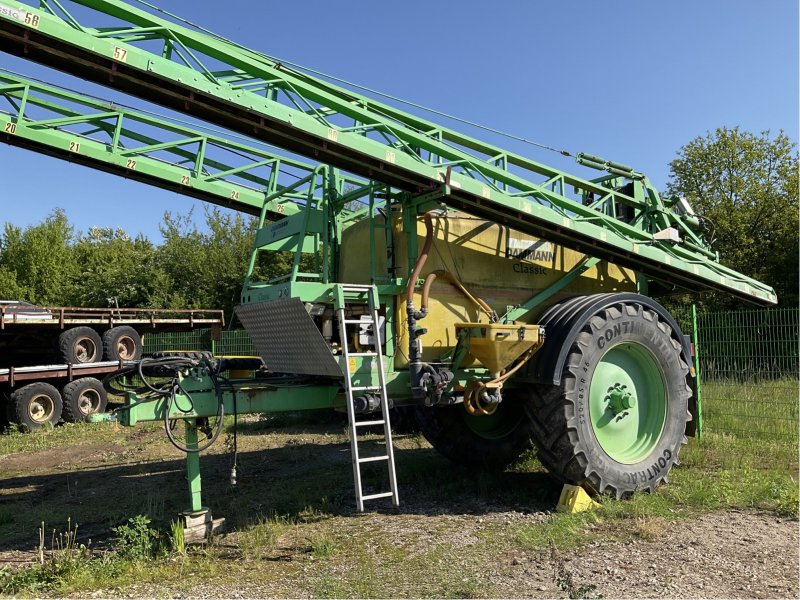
(261, 539)
(63, 562)
(564, 579)
(562, 531)
(650, 529)
(323, 545)
(178, 537)
(136, 539)
(786, 495)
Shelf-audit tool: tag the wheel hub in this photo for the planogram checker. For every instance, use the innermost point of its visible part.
(620, 399)
(88, 402)
(41, 408)
(85, 351)
(126, 348)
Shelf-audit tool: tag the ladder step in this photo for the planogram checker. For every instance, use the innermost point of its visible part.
(375, 496)
(368, 423)
(364, 388)
(359, 322)
(353, 287)
(362, 354)
(373, 459)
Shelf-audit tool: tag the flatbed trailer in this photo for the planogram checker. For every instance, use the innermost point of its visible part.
(36, 395)
(12, 376)
(71, 316)
(35, 335)
(52, 358)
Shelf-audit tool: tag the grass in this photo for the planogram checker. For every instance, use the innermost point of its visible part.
(293, 529)
(763, 410)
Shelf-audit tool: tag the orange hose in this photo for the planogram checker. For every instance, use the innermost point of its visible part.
(485, 308)
(423, 256)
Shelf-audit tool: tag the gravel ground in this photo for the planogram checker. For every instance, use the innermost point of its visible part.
(717, 555)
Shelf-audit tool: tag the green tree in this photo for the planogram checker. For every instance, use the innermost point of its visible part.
(205, 268)
(37, 263)
(112, 264)
(746, 185)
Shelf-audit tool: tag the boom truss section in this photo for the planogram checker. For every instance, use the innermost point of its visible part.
(150, 149)
(619, 216)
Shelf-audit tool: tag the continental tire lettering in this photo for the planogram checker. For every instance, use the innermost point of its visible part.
(624, 328)
(652, 471)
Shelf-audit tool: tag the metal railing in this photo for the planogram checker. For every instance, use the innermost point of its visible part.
(231, 343)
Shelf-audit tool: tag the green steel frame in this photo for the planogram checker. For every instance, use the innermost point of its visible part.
(247, 177)
(613, 217)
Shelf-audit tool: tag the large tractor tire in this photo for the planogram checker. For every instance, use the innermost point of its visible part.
(122, 343)
(82, 398)
(616, 419)
(36, 405)
(488, 442)
(80, 345)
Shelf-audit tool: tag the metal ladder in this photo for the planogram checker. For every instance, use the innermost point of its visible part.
(354, 425)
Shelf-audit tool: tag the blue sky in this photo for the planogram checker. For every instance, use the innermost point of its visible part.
(627, 80)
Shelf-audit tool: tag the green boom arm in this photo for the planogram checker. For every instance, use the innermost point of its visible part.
(620, 218)
(146, 148)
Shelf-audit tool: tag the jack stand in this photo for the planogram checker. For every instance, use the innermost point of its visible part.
(198, 525)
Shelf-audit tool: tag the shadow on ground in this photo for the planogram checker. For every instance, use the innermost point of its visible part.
(296, 479)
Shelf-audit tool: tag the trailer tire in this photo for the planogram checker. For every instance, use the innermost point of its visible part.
(122, 343)
(83, 397)
(487, 442)
(80, 345)
(36, 405)
(616, 420)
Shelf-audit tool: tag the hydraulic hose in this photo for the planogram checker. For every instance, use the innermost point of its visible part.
(426, 289)
(415, 366)
(421, 259)
(472, 395)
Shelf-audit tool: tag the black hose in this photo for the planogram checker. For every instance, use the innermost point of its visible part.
(169, 367)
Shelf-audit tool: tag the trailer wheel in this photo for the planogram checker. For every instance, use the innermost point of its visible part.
(617, 419)
(488, 442)
(36, 405)
(82, 398)
(80, 345)
(122, 343)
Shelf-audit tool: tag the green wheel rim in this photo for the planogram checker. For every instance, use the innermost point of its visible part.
(627, 402)
(501, 423)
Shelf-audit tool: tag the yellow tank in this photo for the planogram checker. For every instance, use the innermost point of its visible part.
(500, 265)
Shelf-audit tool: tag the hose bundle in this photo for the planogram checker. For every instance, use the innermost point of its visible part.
(161, 379)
